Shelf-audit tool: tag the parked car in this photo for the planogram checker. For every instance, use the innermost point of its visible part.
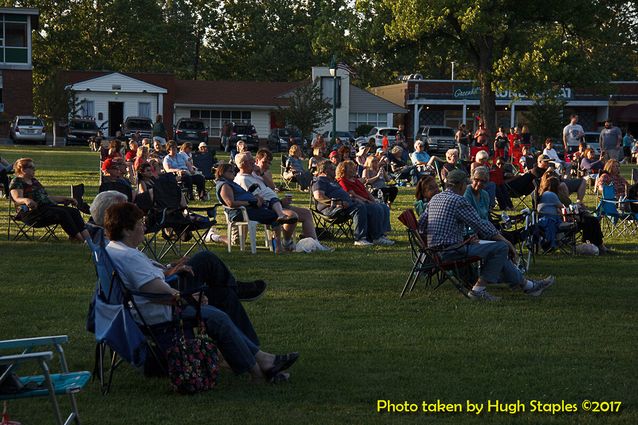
(279, 139)
(245, 132)
(438, 139)
(79, 130)
(26, 128)
(377, 133)
(134, 124)
(190, 130)
(345, 136)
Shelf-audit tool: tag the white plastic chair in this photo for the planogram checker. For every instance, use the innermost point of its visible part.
(242, 226)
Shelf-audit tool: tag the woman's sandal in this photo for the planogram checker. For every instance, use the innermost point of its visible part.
(282, 362)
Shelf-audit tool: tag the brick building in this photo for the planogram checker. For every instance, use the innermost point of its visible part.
(16, 68)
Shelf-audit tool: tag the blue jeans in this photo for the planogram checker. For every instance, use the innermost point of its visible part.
(496, 266)
(238, 350)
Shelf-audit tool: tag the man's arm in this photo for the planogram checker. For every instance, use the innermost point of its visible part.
(565, 138)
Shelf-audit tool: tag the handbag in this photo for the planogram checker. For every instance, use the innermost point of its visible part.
(193, 364)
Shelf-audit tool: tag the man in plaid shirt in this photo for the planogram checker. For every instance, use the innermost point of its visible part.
(445, 221)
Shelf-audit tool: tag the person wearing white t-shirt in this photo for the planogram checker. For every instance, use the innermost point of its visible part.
(553, 155)
(124, 227)
(572, 133)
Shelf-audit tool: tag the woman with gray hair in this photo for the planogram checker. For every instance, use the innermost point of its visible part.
(102, 202)
(476, 194)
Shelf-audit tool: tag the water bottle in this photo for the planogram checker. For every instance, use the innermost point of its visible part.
(505, 219)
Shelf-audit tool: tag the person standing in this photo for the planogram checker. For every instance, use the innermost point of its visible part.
(610, 140)
(627, 143)
(462, 138)
(159, 131)
(572, 132)
(481, 135)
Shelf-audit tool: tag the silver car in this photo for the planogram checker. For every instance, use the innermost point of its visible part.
(25, 128)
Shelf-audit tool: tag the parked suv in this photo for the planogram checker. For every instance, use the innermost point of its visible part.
(80, 130)
(134, 124)
(245, 132)
(377, 133)
(26, 128)
(190, 130)
(438, 139)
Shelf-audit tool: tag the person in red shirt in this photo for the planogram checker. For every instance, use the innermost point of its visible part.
(349, 181)
(132, 151)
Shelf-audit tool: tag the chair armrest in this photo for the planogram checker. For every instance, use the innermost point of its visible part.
(23, 358)
(244, 213)
(33, 342)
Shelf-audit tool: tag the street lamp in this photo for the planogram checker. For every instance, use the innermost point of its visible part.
(333, 73)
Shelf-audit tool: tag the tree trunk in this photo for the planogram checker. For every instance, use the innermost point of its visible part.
(485, 76)
(488, 103)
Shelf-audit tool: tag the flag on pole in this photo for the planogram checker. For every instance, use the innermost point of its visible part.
(347, 68)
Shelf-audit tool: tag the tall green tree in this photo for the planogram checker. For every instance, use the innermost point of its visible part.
(306, 110)
(531, 47)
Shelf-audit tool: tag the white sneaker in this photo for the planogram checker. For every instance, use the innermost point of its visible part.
(383, 241)
(362, 242)
(540, 285)
(212, 236)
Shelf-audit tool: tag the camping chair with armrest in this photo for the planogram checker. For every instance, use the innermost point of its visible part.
(290, 182)
(427, 261)
(24, 230)
(47, 384)
(338, 223)
(616, 217)
(176, 224)
(118, 324)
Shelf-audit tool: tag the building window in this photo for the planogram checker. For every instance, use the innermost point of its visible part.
(14, 41)
(214, 120)
(375, 120)
(144, 109)
(88, 108)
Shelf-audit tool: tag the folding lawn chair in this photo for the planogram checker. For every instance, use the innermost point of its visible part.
(616, 217)
(111, 319)
(24, 230)
(289, 183)
(337, 224)
(176, 224)
(48, 384)
(428, 262)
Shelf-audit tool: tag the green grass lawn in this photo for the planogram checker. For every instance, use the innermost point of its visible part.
(359, 342)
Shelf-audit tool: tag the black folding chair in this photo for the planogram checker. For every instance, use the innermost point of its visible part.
(332, 226)
(26, 230)
(176, 224)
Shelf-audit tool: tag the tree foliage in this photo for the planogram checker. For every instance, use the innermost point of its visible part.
(307, 110)
(529, 47)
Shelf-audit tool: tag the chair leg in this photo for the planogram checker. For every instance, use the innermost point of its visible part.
(252, 233)
(229, 235)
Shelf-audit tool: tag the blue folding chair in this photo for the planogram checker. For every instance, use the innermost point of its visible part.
(111, 319)
(616, 218)
(46, 385)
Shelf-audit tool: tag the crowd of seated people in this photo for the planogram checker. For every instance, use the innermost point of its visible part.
(181, 165)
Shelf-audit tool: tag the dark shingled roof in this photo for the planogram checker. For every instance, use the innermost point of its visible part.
(258, 93)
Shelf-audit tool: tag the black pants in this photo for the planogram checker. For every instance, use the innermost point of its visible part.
(590, 227)
(221, 290)
(69, 218)
(197, 179)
